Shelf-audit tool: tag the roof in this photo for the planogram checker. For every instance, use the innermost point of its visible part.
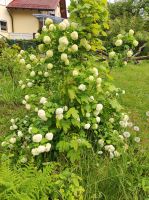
(34, 4)
(42, 17)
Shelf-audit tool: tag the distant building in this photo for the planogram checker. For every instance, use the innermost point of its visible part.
(20, 19)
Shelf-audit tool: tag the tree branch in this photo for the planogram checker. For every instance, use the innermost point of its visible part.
(139, 51)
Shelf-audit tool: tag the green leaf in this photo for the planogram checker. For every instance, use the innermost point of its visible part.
(72, 112)
(71, 94)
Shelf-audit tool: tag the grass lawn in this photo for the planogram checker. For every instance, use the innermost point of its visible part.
(134, 79)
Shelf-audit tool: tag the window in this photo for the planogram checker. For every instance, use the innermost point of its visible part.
(3, 25)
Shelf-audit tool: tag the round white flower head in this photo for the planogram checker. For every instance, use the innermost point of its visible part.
(88, 47)
(91, 98)
(135, 43)
(46, 74)
(99, 80)
(116, 154)
(110, 148)
(59, 111)
(48, 21)
(22, 52)
(125, 117)
(22, 61)
(118, 42)
(129, 53)
(82, 87)
(3, 144)
(37, 138)
(49, 136)
(99, 107)
(49, 53)
(87, 126)
(30, 130)
(112, 54)
(74, 48)
(14, 127)
(137, 139)
(111, 120)
(46, 39)
(100, 152)
(123, 124)
(20, 134)
(19, 56)
(32, 57)
(94, 126)
(32, 74)
(119, 36)
(74, 35)
(65, 108)
(28, 66)
(50, 66)
(136, 128)
(121, 137)
(24, 102)
(101, 142)
(126, 134)
(98, 119)
(62, 26)
(75, 72)
(23, 86)
(111, 155)
(37, 35)
(48, 147)
(42, 115)
(52, 27)
(65, 21)
(26, 97)
(63, 41)
(40, 73)
(44, 29)
(125, 63)
(23, 160)
(28, 106)
(29, 84)
(64, 57)
(88, 115)
(91, 78)
(60, 116)
(61, 48)
(20, 82)
(147, 113)
(131, 32)
(41, 149)
(95, 71)
(43, 100)
(35, 152)
(12, 121)
(12, 140)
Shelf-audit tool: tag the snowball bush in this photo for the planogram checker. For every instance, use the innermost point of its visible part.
(77, 107)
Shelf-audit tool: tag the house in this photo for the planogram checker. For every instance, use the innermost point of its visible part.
(20, 19)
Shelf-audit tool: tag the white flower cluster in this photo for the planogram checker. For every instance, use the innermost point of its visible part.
(42, 115)
(118, 42)
(111, 149)
(129, 53)
(59, 113)
(41, 149)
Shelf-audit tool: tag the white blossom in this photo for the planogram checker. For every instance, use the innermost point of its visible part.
(88, 115)
(50, 66)
(59, 111)
(91, 78)
(126, 134)
(100, 152)
(74, 48)
(12, 121)
(111, 120)
(62, 26)
(98, 119)
(46, 39)
(94, 126)
(46, 74)
(111, 155)
(12, 140)
(47, 147)
(135, 43)
(32, 57)
(49, 136)
(65, 108)
(29, 84)
(44, 29)
(136, 128)
(110, 148)
(129, 53)
(22, 61)
(118, 42)
(28, 106)
(74, 35)
(48, 21)
(65, 21)
(22, 52)
(20, 82)
(43, 100)
(52, 27)
(37, 35)
(88, 47)
(112, 54)
(147, 113)
(95, 71)
(64, 57)
(32, 74)
(60, 116)
(131, 32)
(75, 72)
(116, 154)
(91, 98)
(40, 73)
(87, 126)
(41, 149)
(82, 87)
(99, 107)
(35, 152)
(137, 139)
(119, 36)
(125, 62)
(23, 160)
(67, 62)
(26, 97)
(37, 138)
(99, 80)
(63, 41)
(49, 53)
(20, 134)
(14, 126)
(42, 115)
(101, 142)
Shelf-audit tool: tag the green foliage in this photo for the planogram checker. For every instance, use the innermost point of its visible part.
(92, 17)
(28, 183)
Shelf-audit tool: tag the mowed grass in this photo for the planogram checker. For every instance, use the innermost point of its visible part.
(134, 79)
